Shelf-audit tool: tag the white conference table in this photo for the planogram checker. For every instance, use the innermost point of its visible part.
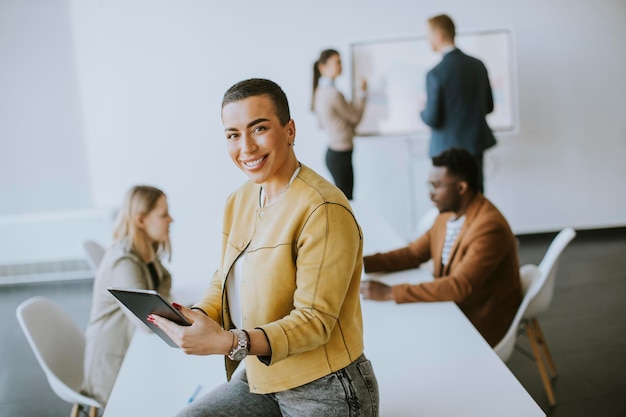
(428, 358)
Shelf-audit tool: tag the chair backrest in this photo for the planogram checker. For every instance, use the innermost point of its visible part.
(95, 253)
(58, 345)
(425, 222)
(544, 290)
(530, 276)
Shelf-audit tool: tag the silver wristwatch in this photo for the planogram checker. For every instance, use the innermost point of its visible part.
(240, 351)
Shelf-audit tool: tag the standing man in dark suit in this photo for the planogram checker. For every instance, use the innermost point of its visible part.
(458, 97)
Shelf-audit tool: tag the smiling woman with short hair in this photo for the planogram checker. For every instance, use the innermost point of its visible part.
(285, 297)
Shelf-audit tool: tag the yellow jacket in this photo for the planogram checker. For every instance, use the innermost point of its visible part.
(300, 281)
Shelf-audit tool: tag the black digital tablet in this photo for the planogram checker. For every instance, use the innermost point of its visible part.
(145, 302)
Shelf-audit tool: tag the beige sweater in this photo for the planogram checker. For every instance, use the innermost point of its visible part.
(111, 326)
(337, 116)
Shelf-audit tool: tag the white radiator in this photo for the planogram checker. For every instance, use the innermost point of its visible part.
(48, 246)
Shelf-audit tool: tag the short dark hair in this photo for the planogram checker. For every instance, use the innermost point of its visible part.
(461, 164)
(260, 87)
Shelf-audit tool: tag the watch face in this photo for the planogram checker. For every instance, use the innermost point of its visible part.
(243, 344)
(239, 354)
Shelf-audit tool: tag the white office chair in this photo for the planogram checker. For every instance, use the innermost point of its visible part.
(423, 225)
(426, 222)
(537, 299)
(95, 253)
(548, 267)
(58, 345)
(539, 303)
(530, 276)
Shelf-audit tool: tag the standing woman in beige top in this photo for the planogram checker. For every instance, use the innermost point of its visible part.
(337, 117)
(140, 238)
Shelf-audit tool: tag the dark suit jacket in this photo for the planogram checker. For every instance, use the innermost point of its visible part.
(458, 99)
(482, 274)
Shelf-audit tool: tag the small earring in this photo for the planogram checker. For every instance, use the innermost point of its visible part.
(291, 143)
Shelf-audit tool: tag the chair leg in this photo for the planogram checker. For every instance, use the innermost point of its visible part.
(93, 411)
(544, 346)
(75, 410)
(547, 384)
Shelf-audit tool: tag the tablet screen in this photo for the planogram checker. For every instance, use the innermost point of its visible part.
(145, 302)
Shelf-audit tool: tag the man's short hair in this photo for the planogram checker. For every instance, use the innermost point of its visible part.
(260, 87)
(459, 163)
(444, 24)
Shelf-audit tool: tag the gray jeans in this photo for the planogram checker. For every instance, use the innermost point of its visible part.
(349, 392)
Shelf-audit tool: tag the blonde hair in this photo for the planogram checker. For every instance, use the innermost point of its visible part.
(139, 201)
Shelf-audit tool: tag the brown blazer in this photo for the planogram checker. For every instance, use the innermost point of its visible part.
(482, 275)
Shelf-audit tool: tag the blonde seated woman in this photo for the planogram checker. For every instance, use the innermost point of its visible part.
(140, 240)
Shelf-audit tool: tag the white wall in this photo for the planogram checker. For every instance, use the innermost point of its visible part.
(151, 74)
(42, 147)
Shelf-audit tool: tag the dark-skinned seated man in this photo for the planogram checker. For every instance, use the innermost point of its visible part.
(476, 263)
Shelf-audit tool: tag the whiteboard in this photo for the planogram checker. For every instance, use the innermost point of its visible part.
(395, 71)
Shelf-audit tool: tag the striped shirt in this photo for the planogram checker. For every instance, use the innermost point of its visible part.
(453, 228)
